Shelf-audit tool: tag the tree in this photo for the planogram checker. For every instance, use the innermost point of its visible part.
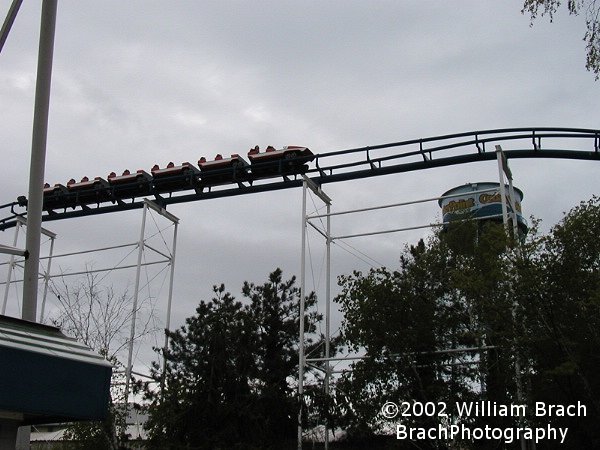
(100, 318)
(97, 316)
(591, 8)
(559, 301)
(417, 326)
(230, 371)
(274, 309)
(206, 401)
(533, 308)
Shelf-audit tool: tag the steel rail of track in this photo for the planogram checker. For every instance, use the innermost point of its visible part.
(370, 161)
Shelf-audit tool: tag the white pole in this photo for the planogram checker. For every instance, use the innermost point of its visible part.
(301, 338)
(328, 321)
(513, 205)
(134, 309)
(38, 159)
(395, 205)
(47, 279)
(502, 188)
(8, 22)
(502, 170)
(169, 301)
(11, 266)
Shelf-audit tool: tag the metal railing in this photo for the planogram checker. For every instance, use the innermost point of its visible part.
(354, 163)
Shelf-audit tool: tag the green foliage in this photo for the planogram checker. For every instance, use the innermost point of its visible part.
(104, 435)
(560, 304)
(591, 8)
(404, 320)
(207, 395)
(228, 371)
(533, 307)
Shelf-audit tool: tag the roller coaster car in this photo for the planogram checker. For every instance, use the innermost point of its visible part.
(130, 185)
(56, 197)
(223, 170)
(290, 159)
(88, 191)
(174, 178)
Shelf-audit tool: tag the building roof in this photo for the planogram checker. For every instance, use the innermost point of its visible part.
(49, 377)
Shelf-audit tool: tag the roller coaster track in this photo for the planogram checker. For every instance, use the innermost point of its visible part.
(364, 162)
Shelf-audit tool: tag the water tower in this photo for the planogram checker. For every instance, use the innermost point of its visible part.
(483, 202)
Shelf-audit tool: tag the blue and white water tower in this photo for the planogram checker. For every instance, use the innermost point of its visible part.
(481, 201)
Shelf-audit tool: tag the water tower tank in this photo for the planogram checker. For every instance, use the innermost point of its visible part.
(479, 200)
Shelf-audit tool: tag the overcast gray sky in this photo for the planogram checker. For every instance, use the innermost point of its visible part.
(142, 82)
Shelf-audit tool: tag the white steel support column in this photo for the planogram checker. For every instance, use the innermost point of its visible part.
(134, 308)
(499, 157)
(11, 266)
(309, 184)
(513, 205)
(47, 278)
(328, 322)
(171, 260)
(503, 170)
(169, 301)
(8, 22)
(301, 317)
(38, 159)
(20, 222)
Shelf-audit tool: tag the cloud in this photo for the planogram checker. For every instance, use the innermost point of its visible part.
(142, 82)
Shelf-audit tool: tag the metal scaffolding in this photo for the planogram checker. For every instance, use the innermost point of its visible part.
(142, 245)
(509, 214)
(149, 205)
(14, 262)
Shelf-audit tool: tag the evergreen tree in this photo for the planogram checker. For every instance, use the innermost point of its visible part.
(230, 370)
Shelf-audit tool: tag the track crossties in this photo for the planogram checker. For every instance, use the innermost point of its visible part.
(275, 169)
